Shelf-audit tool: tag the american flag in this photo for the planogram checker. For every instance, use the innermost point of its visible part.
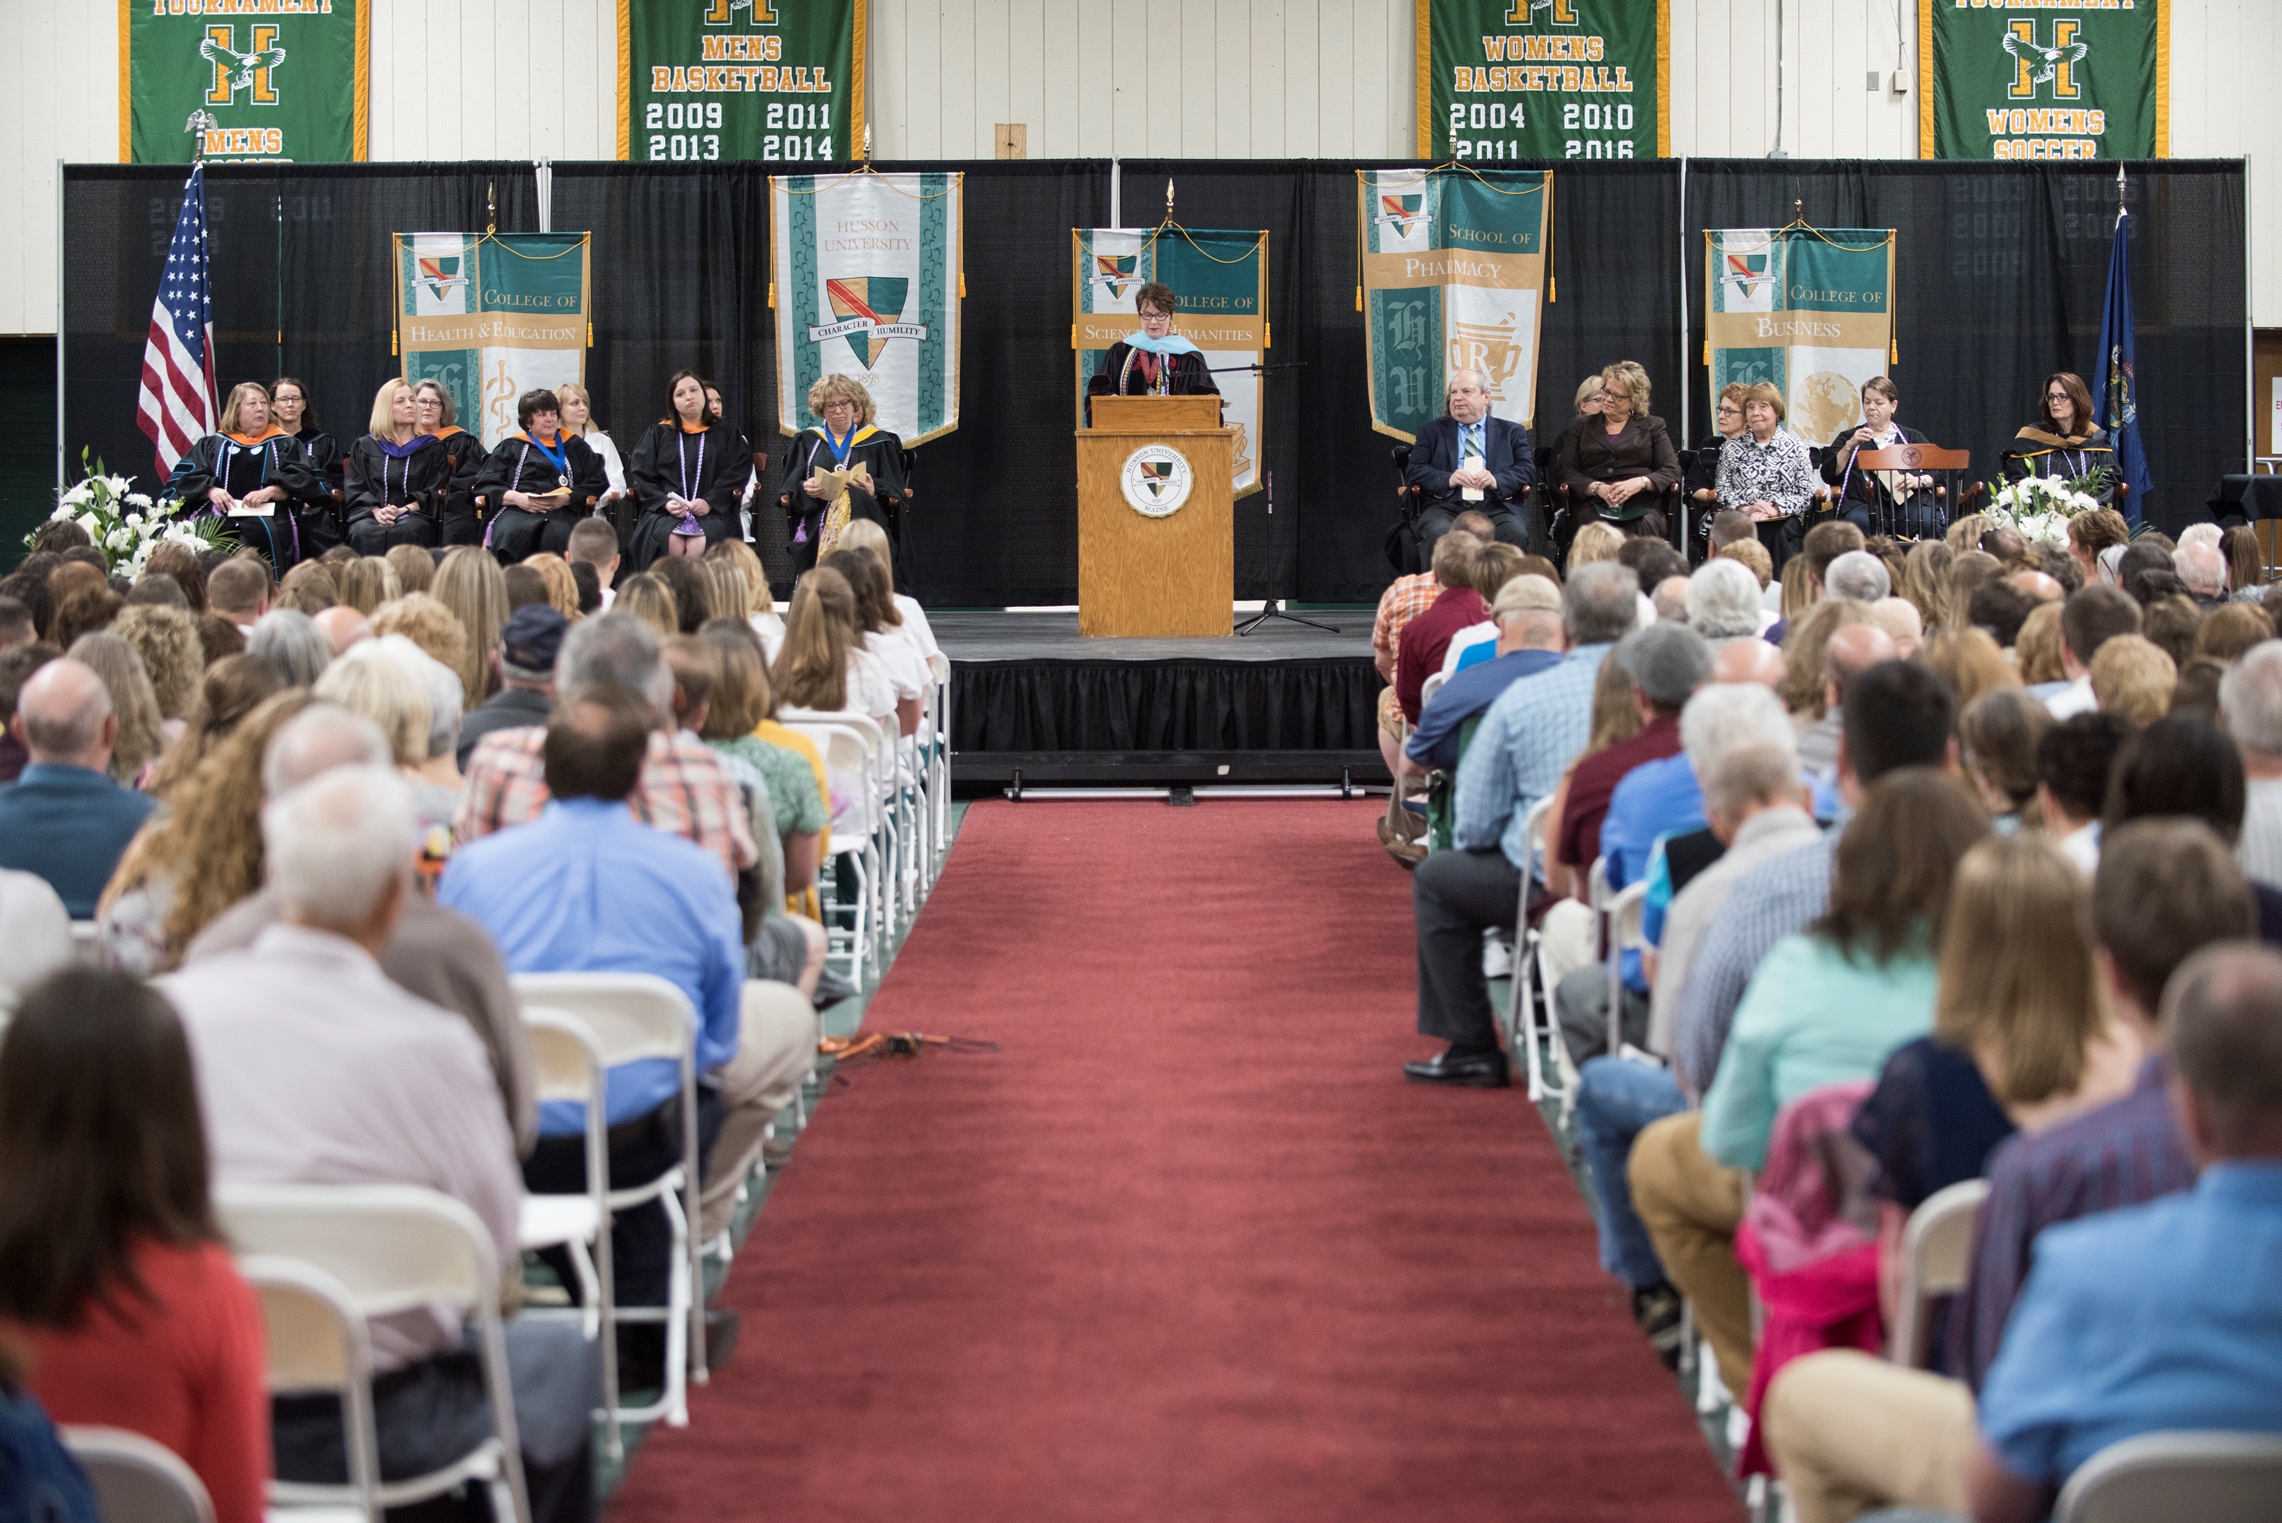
(176, 406)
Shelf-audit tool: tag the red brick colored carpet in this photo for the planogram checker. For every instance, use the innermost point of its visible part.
(1186, 1247)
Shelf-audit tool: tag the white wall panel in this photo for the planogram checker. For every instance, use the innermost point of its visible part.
(64, 106)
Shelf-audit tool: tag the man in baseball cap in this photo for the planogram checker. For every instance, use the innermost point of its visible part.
(525, 661)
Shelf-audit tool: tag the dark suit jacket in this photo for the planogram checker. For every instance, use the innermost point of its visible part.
(1506, 454)
(69, 825)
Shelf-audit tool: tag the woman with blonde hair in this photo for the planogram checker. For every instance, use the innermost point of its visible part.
(173, 658)
(136, 751)
(1594, 542)
(741, 704)
(863, 534)
(1619, 465)
(1925, 582)
(879, 634)
(818, 494)
(1972, 661)
(386, 681)
(1969, 572)
(1805, 692)
(248, 462)
(366, 582)
(415, 568)
(816, 668)
(397, 478)
(578, 418)
(562, 587)
(2132, 679)
(760, 604)
(199, 857)
(472, 586)
(649, 599)
(2037, 648)
(429, 625)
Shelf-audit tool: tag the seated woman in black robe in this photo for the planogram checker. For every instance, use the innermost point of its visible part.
(463, 452)
(397, 477)
(247, 466)
(685, 474)
(538, 483)
(812, 491)
(2064, 442)
(1881, 502)
(1153, 362)
(321, 519)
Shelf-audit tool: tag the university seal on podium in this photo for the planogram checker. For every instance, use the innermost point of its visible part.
(1156, 479)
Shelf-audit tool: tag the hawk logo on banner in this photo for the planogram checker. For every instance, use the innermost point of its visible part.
(1526, 12)
(1402, 213)
(2035, 64)
(868, 307)
(440, 276)
(1116, 273)
(235, 71)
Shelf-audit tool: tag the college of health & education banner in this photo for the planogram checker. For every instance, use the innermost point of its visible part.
(262, 80)
(776, 81)
(491, 316)
(2044, 79)
(1221, 279)
(865, 276)
(1454, 261)
(1544, 79)
(1810, 309)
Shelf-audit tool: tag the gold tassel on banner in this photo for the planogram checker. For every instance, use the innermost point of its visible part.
(392, 343)
(1893, 350)
(772, 294)
(1358, 298)
(962, 285)
(590, 335)
(1707, 350)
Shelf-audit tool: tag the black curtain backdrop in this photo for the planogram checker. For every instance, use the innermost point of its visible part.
(1999, 275)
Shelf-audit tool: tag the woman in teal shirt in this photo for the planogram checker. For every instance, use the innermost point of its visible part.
(1829, 1003)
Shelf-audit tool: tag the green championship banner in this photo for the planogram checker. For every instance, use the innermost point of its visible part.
(491, 316)
(778, 81)
(1453, 263)
(2044, 79)
(865, 277)
(1220, 279)
(1544, 79)
(275, 80)
(1811, 310)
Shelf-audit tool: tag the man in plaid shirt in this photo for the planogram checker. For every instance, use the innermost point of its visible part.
(1403, 601)
(684, 789)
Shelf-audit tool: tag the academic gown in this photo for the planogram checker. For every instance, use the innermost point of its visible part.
(463, 522)
(2037, 451)
(1123, 374)
(416, 475)
(710, 465)
(240, 466)
(519, 465)
(323, 519)
(881, 454)
(1863, 500)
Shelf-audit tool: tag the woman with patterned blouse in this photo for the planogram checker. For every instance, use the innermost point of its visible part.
(1766, 474)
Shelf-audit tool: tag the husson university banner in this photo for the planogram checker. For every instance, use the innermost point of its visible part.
(1220, 277)
(1544, 79)
(262, 80)
(492, 316)
(1453, 265)
(776, 81)
(1808, 309)
(865, 276)
(2038, 80)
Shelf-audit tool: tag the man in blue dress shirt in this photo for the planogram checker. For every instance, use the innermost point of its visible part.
(63, 818)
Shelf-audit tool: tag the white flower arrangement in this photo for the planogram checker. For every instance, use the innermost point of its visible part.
(127, 526)
(2040, 506)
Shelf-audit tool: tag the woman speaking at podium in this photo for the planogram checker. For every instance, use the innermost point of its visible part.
(838, 471)
(1155, 362)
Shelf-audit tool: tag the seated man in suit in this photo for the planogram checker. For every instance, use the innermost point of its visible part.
(1470, 451)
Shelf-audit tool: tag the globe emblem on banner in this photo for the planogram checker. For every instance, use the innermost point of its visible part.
(1824, 404)
(1156, 480)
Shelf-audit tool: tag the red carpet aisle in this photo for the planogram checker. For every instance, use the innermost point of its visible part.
(1187, 1247)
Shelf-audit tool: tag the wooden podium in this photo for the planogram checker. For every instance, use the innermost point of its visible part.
(1145, 568)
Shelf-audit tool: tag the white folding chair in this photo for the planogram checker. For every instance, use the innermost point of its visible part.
(635, 1016)
(939, 792)
(567, 1062)
(1937, 1251)
(2162, 1477)
(87, 942)
(394, 1248)
(137, 1480)
(849, 743)
(316, 1341)
(1529, 984)
(1626, 912)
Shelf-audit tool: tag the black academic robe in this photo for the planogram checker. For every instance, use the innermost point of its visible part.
(463, 521)
(519, 465)
(2037, 451)
(375, 479)
(1178, 375)
(1863, 500)
(882, 455)
(276, 460)
(710, 466)
(323, 521)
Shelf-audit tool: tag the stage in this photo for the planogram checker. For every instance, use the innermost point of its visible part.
(1033, 702)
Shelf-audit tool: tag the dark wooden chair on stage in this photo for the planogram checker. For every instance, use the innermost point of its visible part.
(1405, 551)
(1953, 493)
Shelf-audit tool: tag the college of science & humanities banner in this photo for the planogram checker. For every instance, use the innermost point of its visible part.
(777, 81)
(1454, 261)
(1808, 309)
(278, 80)
(492, 316)
(1221, 279)
(865, 275)
(1544, 79)
(2044, 79)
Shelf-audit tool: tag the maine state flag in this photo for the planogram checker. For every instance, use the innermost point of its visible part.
(2115, 402)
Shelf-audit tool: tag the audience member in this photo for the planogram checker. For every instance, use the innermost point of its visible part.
(428, 624)
(158, 592)
(219, 638)
(1925, 582)
(525, 588)
(175, 559)
(1752, 661)
(366, 582)
(1425, 636)
(1805, 691)
(2172, 624)
(290, 643)
(2074, 760)
(562, 587)
(87, 611)
(595, 547)
(239, 590)
(343, 627)
(2000, 608)
(1848, 650)
(2087, 621)
(2230, 631)
(415, 568)
(1971, 662)
(1723, 601)
(525, 659)
(17, 663)
(2250, 706)
(30, 593)
(1530, 640)
(2037, 653)
(64, 818)
(2132, 679)
(113, 1271)
(167, 641)
(142, 734)
(471, 585)
(1859, 575)
(232, 688)
(1753, 557)
(2204, 571)
(1997, 735)
(1898, 617)
(645, 597)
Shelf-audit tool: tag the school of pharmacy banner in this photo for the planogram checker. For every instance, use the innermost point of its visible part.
(1220, 278)
(492, 316)
(1544, 79)
(2044, 79)
(1810, 309)
(777, 81)
(1453, 264)
(865, 276)
(275, 80)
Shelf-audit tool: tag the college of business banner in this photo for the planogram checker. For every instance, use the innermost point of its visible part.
(1221, 279)
(1453, 265)
(492, 316)
(778, 81)
(865, 276)
(1810, 309)
(1544, 79)
(281, 80)
(2086, 79)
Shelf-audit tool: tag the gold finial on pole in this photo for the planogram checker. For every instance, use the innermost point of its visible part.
(1453, 145)
(1168, 200)
(490, 208)
(867, 142)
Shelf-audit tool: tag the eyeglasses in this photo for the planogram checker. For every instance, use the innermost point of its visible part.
(2058, 396)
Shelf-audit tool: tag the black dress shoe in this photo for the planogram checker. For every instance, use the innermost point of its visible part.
(1476, 1070)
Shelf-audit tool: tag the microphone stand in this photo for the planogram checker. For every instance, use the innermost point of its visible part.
(1272, 608)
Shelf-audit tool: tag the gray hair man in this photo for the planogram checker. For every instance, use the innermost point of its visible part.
(64, 819)
(292, 645)
(1858, 575)
(1470, 458)
(2204, 570)
(2250, 706)
(1723, 601)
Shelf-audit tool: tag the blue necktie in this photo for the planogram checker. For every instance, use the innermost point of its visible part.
(1470, 441)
